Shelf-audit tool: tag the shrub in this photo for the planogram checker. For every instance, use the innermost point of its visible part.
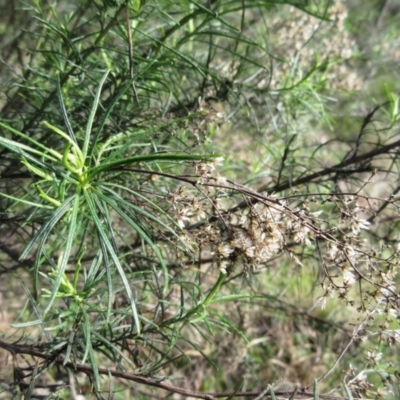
(176, 201)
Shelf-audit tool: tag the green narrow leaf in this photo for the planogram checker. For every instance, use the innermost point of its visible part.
(15, 146)
(67, 251)
(236, 390)
(106, 186)
(27, 324)
(215, 289)
(37, 171)
(272, 393)
(199, 349)
(106, 114)
(142, 234)
(93, 363)
(106, 217)
(63, 36)
(34, 305)
(229, 324)
(182, 299)
(140, 210)
(180, 55)
(69, 141)
(43, 234)
(134, 4)
(108, 267)
(110, 386)
(172, 339)
(94, 273)
(64, 111)
(155, 157)
(114, 349)
(92, 114)
(209, 324)
(87, 334)
(348, 392)
(69, 347)
(107, 248)
(316, 391)
(234, 297)
(33, 379)
(29, 203)
(105, 214)
(47, 227)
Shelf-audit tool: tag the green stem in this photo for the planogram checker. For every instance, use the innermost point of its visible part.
(203, 304)
(214, 290)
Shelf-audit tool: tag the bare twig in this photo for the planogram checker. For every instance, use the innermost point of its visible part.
(352, 340)
(149, 381)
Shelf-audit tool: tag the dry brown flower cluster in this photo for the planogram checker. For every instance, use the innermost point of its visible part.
(299, 41)
(251, 237)
(266, 231)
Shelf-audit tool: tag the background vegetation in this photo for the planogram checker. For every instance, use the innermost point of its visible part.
(199, 199)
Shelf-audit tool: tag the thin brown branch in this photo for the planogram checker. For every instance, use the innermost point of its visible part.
(338, 168)
(352, 340)
(148, 381)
